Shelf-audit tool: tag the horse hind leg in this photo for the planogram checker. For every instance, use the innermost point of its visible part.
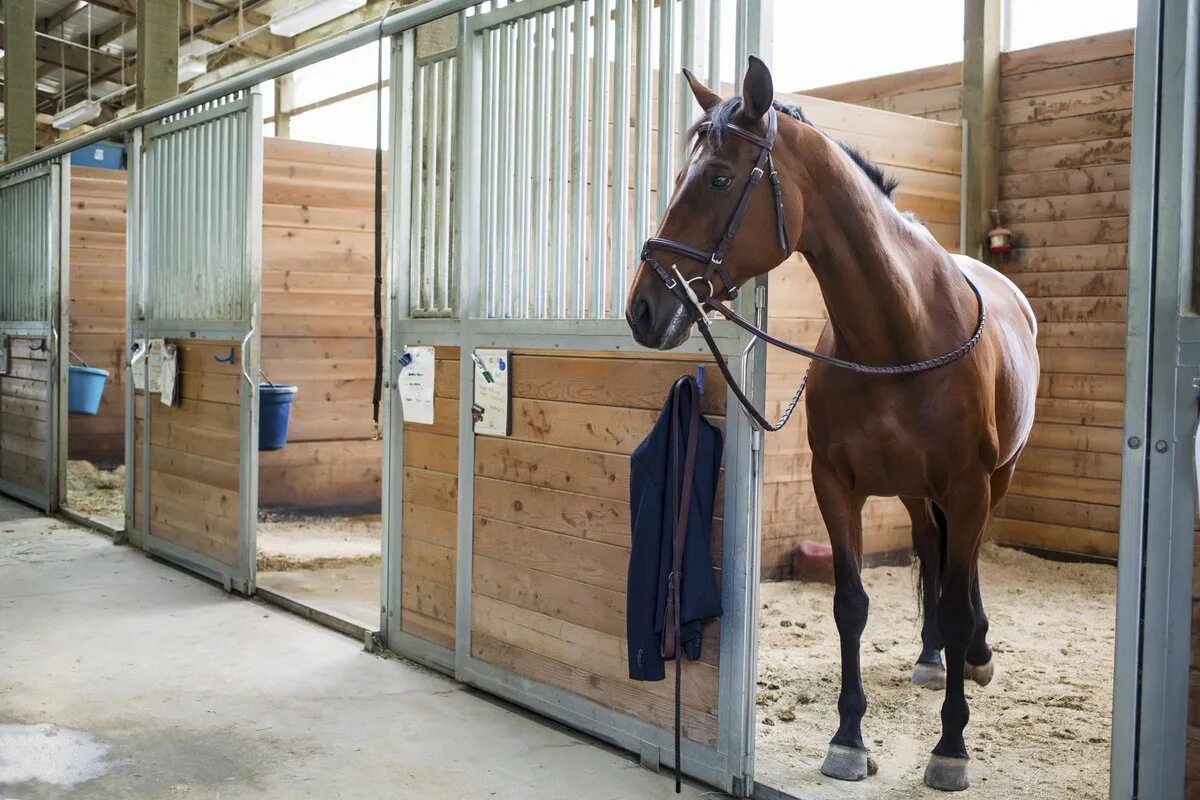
(980, 666)
(928, 535)
(966, 514)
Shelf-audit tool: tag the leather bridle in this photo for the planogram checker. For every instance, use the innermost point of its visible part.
(714, 263)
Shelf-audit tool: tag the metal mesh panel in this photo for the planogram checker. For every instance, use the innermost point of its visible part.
(25, 246)
(580, 136)
(197, 220)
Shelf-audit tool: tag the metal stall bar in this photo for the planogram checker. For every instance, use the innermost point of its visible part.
(599, 160)
(560, 163)
(579, 143)
(666, 107)
(645, 123)
(619, 255)
(541, 201)
(447, 275)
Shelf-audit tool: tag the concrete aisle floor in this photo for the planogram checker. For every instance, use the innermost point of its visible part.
(121, 677)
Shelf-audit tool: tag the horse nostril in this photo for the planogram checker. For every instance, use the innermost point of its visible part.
(641, 314)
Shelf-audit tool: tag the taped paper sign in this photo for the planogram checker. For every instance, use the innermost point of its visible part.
(492, 392)
(155, 357)
(169, 374)
(417, 367)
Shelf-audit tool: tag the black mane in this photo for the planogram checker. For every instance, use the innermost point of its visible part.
(713, 125)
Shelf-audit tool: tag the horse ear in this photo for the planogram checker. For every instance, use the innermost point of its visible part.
(705, 96)
(758, 89)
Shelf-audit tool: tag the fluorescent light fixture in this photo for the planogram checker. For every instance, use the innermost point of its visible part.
(304, 18)
(192, 67)
(76, 115)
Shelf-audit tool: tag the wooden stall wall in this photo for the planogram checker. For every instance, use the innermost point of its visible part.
(194, 454)
(318, 325)
(429, 528)
(926, 156)
(97, 308)
(931, 92)
(552, 532)
(24, 415)
(1064, 191)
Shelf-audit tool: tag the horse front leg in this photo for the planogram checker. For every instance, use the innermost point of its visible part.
(842, 511)
(966, 511)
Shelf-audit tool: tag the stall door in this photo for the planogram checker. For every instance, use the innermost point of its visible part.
(196, 276)
(30, 252)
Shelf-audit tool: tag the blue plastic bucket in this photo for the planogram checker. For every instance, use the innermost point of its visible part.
(85, 387)
(274, 409)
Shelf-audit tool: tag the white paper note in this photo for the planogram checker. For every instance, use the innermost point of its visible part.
(138, 366)
(416, 385)
(156, 362)
(491, 412)
(169, 374)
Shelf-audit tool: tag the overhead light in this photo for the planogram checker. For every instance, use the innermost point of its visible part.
(299, 20)
(192, 67)
(76, 115)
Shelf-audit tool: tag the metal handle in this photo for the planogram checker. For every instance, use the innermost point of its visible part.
(245, 344)
(53, 354)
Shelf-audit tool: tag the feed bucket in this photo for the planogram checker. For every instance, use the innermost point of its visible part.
(274, 409)
(85, 387)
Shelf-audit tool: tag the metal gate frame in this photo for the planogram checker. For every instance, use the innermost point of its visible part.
(728, 766)
(57, 173)
(1159, 481)
(245, 162)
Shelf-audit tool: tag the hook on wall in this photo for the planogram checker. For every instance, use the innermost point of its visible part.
(227, 359)
(41, 347)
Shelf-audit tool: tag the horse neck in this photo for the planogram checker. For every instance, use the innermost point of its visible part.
(863, 254)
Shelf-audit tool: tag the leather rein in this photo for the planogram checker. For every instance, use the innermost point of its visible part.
(681, 287)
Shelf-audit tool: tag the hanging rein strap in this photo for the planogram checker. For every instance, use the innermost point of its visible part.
(681, 287)
(672, 640)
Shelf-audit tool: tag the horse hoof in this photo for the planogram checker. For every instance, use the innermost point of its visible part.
(947, 773)
(929, 676)
(845, 763)
(981, 674)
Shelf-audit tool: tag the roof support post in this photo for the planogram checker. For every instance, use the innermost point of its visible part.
(981, 111)
(20, 69)
(157, 51)
(285, 101)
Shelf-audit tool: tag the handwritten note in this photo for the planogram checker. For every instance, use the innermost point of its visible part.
(492, 392)
(416, 384)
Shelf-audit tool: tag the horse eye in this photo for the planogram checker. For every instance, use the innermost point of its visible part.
(721, 181)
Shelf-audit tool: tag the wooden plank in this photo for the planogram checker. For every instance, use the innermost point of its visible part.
(624, 696)
(1066, 462)
(193, 495)
(624, 383)
(15, 442)
(1060, 54)
(1070, 180)
(1072, 76)
(1060, 538)
(583, 471)
(429, 599)
(432, 489)
(208, 471)
(923, 102)
(594, 518)
(1060, 105)
(1065, 207)
(1109, 335)
(603, 654)
(1047, 158)
(1077, 361)
(431, 525)
(1056, 259)
(428, 561)
(1083, 387)
(1078, 309)
(198, 533)
(1060, 487)
(594, 563)
(427, 628)
(1080, 412)
(1059, 512)
(433, 452)
(1078, 283)
(1069, 436)
(934, 77)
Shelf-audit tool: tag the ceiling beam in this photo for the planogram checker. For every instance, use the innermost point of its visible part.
(58, 18)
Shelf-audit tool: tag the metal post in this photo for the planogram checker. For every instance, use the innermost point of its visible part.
(20, 74)
(599, 251)
(158, 51)
(619, 245)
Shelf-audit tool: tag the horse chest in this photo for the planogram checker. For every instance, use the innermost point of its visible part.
(882, 443)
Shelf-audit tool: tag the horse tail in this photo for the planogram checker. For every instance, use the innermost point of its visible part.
(923, 565)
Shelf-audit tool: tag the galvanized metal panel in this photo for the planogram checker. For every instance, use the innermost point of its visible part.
(197, 258)
(26, 246)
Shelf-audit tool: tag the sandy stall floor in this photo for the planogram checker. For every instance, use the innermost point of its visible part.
(97, 493)
(1041, 729)
(328, 563)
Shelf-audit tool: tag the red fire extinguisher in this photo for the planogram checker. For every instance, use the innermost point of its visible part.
(999, 238)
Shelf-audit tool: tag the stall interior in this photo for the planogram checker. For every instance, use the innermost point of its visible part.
(319, 493)
(95, 480)
(1044, 722)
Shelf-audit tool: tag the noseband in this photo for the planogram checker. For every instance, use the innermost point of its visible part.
(681, 287)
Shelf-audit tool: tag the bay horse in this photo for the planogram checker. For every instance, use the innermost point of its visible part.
(941, 432)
